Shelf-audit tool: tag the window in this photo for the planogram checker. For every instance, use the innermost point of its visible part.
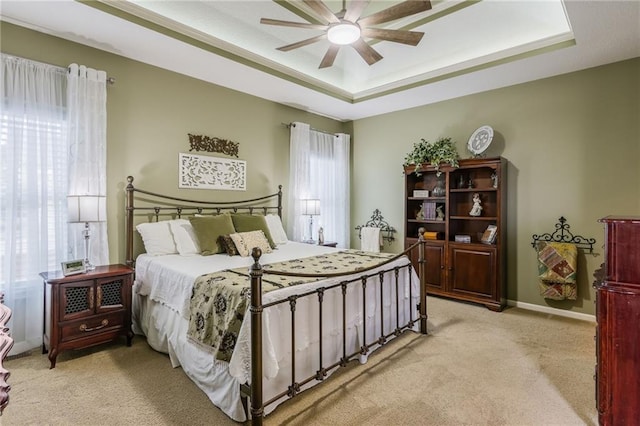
(33, 189)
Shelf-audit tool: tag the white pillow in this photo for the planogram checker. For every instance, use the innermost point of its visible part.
(157, 238)
(278, 234)
(246, 241)
(184, 237)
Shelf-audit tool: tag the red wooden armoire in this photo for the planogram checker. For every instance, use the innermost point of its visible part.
(618, 330)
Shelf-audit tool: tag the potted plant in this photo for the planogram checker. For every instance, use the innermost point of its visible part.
(443, 150)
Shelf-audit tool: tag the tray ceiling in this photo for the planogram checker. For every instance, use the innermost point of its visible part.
(478, 44)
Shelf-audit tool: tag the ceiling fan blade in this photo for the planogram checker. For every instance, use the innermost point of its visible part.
(321, 9)
(367, 52)
(301, 43)
(406, 8)
(398, 36)
(330, 56)
(268, 21)
(355, 9)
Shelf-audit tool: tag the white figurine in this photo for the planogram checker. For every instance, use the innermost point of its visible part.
(439, 213)
(321, 236)
(476, 210)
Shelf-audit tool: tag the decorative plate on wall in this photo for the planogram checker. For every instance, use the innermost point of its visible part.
(480, 140)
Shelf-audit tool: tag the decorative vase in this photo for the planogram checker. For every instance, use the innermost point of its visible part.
(439, 190)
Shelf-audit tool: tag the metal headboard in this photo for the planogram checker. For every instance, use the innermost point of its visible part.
(157, 205)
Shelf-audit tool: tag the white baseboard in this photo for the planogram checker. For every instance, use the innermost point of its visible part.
(552, 311)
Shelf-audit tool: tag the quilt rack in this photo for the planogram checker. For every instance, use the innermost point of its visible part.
(377, 221)
(563, 235)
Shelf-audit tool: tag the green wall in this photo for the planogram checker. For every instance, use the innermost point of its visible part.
(573, 147)
(150, 111)
(572, 142)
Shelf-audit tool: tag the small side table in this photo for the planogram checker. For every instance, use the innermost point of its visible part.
(86, 309)
(325, 244)
(329, 244)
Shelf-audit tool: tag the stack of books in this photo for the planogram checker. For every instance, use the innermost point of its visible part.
(462, 238)
(429, 210)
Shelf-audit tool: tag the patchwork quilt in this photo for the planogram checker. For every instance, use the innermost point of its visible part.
(219, 300)
(557, 268)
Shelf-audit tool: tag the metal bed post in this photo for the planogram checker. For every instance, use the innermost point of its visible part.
(422, 274)
(280, 201)
(129, 221)
(257, 407)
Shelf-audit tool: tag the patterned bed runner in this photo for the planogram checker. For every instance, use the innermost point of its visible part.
(219, 300)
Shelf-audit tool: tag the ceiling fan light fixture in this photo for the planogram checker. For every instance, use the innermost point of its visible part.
(343, 33)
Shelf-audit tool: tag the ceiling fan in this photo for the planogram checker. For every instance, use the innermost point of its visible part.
(348, 28)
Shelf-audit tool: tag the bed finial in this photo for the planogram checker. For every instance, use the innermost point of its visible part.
(256, 253)
(129, 181)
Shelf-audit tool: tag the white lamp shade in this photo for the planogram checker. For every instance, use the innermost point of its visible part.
(310, 207)
(87, 208)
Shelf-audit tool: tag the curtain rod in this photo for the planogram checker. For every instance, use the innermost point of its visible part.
(290, 125)
(109, 80)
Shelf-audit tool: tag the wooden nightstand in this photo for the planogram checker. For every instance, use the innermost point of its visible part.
(86, 309)
(325, 244)
(329, 244)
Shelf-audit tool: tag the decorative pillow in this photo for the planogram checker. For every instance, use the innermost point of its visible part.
(157, 238)
(278, 234)
(184, 237)
(228, 245)
(249, 222)
(208, 230)
(246, 241)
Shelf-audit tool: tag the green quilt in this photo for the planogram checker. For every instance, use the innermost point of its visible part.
(219, 300)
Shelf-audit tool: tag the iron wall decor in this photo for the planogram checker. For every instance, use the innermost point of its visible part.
(209, 144)
(202, 172)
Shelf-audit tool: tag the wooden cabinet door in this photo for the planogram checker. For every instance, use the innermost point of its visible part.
(111, 293)
(473, 271)
(434, 256)
(77, 299)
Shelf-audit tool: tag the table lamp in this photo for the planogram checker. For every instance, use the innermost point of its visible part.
(87, 208)
(310, 207)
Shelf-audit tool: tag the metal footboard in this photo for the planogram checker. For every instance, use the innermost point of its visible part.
(255, 389)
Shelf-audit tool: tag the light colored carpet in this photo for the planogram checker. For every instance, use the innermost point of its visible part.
(476, 367)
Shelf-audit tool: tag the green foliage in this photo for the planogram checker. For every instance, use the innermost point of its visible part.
(443, 150)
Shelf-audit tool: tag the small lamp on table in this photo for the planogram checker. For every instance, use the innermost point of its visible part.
(310, 207)
(87, 208)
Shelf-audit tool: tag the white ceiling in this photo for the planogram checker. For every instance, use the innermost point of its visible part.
(468, 46)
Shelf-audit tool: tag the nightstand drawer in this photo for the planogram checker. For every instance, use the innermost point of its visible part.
(94, 325)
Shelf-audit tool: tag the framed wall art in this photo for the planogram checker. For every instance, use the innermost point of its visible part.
(204, 172)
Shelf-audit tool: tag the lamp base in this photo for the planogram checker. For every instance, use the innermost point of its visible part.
(88, 266)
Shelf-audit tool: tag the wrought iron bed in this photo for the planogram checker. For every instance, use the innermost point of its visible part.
(154, 206)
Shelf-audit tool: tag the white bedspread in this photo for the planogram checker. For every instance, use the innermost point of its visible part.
(167, 281)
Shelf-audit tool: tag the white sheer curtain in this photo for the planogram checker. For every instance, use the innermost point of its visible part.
(87, 115)
(33, 189)
(52, 133)
(319, 168)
